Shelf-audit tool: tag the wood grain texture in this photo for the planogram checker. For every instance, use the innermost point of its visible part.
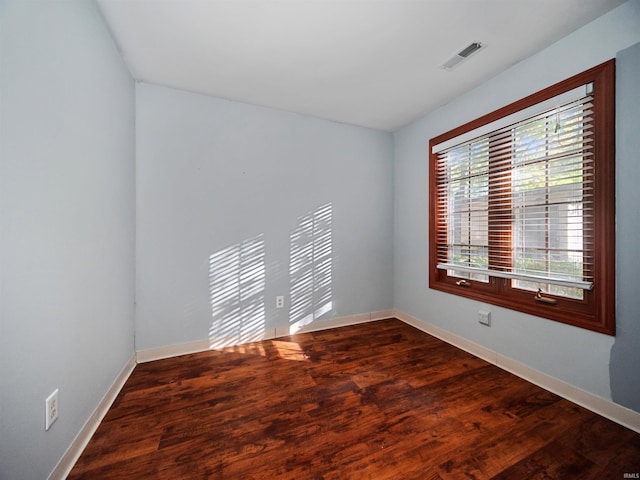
(380, 400)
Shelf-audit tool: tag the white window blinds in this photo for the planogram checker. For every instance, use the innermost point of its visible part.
(517, 202)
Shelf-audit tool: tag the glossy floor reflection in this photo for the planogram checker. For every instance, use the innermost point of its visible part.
(379, 400)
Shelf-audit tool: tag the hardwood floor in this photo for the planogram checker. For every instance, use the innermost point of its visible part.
(374, 401)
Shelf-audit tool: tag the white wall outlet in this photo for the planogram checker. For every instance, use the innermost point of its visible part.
(279, 301)
(484, 317)
(51, 409)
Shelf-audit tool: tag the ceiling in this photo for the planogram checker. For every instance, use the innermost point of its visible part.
(374, 63)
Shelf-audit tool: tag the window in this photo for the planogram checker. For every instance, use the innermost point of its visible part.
(522, 204)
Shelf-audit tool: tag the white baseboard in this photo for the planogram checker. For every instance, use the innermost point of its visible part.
(70, 457)
(151, 354)
(196, 346)
(608, 409)
(382, 315)
(346, 321)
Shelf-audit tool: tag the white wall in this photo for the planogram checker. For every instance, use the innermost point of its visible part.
(66, 225)
(214, 175)
(625, 354)
(571, 354)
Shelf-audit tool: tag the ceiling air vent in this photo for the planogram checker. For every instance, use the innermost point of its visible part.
(457, 58)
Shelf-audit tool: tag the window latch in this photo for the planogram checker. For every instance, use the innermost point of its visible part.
(539, 298)
(463, 283)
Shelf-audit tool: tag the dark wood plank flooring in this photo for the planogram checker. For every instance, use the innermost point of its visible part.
(373, 401)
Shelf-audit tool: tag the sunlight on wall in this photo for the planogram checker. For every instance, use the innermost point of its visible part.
(310, 264)
(237, 280)
(236, 292)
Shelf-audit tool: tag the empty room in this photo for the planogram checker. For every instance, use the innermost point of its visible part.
(319, 239)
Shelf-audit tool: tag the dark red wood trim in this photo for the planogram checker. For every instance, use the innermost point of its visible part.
(597, 311)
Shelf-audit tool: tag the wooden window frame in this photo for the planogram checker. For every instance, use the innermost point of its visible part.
(596, 311)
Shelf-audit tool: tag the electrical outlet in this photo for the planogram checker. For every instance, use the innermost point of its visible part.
(279, 301)
(484, 317)
(51, 409)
